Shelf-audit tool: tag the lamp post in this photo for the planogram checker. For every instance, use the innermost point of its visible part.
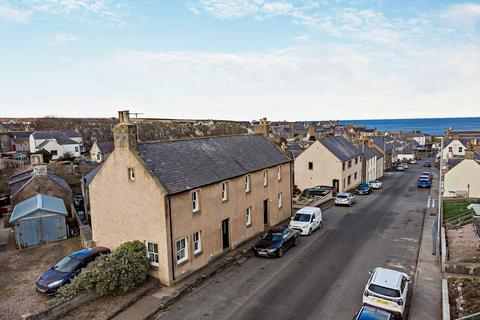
(439, 204)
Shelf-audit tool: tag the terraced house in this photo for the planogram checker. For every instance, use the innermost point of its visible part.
(188, 200)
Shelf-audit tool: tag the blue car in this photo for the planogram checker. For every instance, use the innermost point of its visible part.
(371, 313)
(67, 269)
(275, 242)
(424, 183)
(363, 188)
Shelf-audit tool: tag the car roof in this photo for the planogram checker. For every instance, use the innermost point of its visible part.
(370, 313)
(308, 210)
(343, 194)
(387, 278)
(86, 253)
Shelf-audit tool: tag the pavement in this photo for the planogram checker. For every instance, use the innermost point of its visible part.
(322, 278)
(4, 234)
(427, 290)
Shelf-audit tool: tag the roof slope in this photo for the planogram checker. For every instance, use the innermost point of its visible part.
(18, 181)
(182, 165)
(367, 152)
(39, 202)
(62, 137)
(106, 146)
(340, 147)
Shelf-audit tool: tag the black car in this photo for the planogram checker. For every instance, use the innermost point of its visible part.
(67, 269)
(318, 191)
(427, 164)
(364, 188)
(275, 242)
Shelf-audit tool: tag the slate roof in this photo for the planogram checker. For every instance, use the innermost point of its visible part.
(462, 140)
(63, 137)
(181, 165)
(340, 147)
(89, 177)
(379, 141)
(106, 146)
(367, 152)
(20, 134)
(39, 202)
(19, 180)
(407, 150)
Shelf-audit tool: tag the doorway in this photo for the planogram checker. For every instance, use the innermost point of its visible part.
(225, 234)
(265, 211)
(336, 185)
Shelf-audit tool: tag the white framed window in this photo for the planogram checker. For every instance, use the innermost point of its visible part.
(224, 191)
(265, 178)
(76, 149)
(248, 216)
(197, 242)
(131, 174)
(152, 252)
(279, 173)
(195, 201)
(280, 202)
(247, 183)
(182, 252)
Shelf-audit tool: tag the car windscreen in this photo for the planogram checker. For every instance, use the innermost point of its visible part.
(273, 236)
(67, 264)
(342, 196)
(363, 185)
(302, 217)
(373, 314)
(424, 179)
(384, 291)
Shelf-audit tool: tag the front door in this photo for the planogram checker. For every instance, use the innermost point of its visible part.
(265, 211)
(225, 235)
(336, 185)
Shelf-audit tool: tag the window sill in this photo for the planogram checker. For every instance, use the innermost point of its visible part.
(198, 254)
(182, 262)
(249, 225)
(154, 265)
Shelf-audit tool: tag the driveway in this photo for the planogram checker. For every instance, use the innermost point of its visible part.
(324, 277)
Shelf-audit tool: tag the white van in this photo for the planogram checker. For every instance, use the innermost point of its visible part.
(307, 220)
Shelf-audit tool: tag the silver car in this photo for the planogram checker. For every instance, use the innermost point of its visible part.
(344, 199)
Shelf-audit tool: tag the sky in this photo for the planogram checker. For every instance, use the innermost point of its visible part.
(240, 59)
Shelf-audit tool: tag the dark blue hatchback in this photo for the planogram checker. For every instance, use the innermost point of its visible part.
(371, 313)
(66, 269)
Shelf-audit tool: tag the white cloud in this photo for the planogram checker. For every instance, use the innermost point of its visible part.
(62, 38)
(464, 14)
(11, 13)
(108, 11)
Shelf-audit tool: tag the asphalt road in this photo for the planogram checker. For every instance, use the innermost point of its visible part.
(324, 277)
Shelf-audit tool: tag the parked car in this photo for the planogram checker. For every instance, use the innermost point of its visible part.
(371, 313)
(418, 158)
(318, 191)
(375, 184)
(345, 199)
(405, 165)
(363, 188)
(413, 161)
(67, 269)
(307, 220)
(400, 168)
(424, 182)
(427, 174)
(387, 289)
(275, 242)
(427, 164)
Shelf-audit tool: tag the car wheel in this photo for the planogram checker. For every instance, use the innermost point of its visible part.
(310, 231)
(350, 204)
(280, 252)
(321, 225)
(295, 242)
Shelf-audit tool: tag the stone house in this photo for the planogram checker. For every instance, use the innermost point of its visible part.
(101, 150)
(369, 165)
(188, 200)
(38, 180)
(332, 161)
(384, 145)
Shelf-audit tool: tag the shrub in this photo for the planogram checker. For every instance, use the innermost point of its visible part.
(118, 272)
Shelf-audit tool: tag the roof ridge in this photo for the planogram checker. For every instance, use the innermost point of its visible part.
(200, 138)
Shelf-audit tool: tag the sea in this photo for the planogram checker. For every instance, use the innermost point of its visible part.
(431, 126)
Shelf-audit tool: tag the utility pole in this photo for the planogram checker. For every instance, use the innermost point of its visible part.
(439, 203)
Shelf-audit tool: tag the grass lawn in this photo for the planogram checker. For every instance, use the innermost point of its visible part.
(452, 209)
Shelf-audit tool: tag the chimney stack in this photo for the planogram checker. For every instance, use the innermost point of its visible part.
(36, 158)
(125, 132)
(39, 168)
(469, 152)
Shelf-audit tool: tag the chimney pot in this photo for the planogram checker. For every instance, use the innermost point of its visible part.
(123, 116)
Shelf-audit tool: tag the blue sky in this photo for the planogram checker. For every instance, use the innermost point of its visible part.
(240, 59)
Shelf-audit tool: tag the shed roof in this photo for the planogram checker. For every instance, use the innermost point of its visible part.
(181, 165)
(340, 147)
(39, 202)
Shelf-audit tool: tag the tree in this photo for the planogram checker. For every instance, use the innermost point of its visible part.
(47, 156)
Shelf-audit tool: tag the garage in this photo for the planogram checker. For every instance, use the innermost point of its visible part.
(39, 219)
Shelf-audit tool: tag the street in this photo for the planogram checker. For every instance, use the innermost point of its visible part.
(324, 277)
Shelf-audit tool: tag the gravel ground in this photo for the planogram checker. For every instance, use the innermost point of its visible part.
(464, 296)
(102, 307)
(463, 244)
(20, 269)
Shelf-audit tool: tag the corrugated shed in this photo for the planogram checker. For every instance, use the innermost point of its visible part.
(40, 202)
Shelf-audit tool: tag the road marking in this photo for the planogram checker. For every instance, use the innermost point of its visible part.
(428, 202)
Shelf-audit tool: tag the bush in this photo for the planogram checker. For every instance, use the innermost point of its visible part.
(118, 272)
